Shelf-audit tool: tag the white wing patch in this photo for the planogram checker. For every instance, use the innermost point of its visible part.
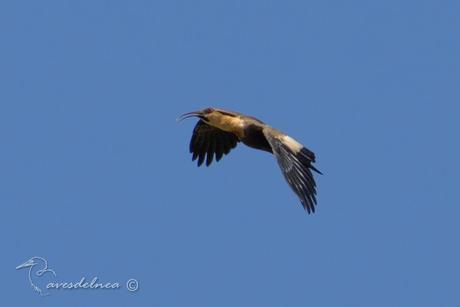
(291, 143)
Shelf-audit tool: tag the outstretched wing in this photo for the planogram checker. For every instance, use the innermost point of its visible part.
(208, 141)
(295, 163)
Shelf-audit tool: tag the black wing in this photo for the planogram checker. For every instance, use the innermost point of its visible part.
(296, 168)
(208, 141)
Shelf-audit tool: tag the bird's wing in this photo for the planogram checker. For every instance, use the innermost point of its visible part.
(295, 163)
(208, 141)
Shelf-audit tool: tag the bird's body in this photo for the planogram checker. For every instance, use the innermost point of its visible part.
(218, 131)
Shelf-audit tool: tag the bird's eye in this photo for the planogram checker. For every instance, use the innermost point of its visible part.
(208, 110)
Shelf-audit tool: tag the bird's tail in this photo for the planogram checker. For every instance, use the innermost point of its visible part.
(315, 169)
(307, 157)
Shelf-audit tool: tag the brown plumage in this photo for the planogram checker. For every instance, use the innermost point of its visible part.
(219, 131)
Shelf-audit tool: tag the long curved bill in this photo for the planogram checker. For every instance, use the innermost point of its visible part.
(188, 115)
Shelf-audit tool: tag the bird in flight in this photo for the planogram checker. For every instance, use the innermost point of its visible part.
(219, 131)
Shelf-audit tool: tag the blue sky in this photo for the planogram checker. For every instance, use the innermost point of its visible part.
(96, 176)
